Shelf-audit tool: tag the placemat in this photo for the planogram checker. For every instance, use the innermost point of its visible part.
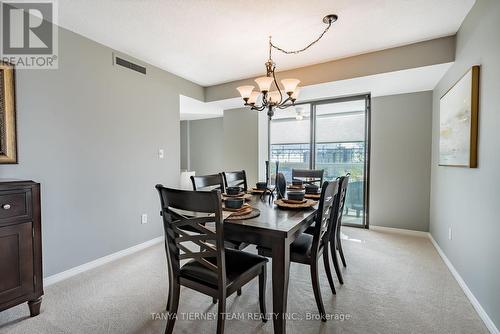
(309, 203)
(245, 206)
(252, 214)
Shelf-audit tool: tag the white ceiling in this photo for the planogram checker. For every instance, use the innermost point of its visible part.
(215, 41)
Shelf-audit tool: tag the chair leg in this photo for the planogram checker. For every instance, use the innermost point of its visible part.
(168, 299)
(326, 262)
(173, 306)
(221, 315)
(170, 279)
(238, 292)
(335, 261)
(317, 290)
(262, 292)
(339, 247)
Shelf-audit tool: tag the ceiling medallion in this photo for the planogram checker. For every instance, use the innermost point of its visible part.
(281, 97)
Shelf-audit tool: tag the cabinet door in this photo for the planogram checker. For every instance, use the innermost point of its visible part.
(16, 261)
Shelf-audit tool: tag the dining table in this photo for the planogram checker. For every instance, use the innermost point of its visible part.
(274, 228)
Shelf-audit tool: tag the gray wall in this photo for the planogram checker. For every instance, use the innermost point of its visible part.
(241, 142)
(185, 145)
(89, 132)
(467, 199)
(226, 143)
(400, 161)
(206, 142)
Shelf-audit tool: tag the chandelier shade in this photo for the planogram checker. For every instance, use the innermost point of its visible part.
(290, 85)
(264, 83)
(274, 97)
(253, 97)
(245, 91)
(295, 93)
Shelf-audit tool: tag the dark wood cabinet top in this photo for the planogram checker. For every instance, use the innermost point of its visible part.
(8, 181)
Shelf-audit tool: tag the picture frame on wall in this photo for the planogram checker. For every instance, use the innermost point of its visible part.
(458, 122)
(8, 132)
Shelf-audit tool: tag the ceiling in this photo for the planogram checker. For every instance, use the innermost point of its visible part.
(398, 82)
(215, 41)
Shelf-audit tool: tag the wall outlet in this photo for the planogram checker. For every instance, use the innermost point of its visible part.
(161, 153)
(144, 218)
(449, 233)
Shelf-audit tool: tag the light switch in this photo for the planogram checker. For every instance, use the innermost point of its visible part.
(161, 153)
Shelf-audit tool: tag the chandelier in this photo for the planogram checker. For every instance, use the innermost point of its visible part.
(281, 97)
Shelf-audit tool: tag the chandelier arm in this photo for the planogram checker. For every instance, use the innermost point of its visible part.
(284, 106)
(278, 88)
(303, 49)
(285, 101)
(258, 108)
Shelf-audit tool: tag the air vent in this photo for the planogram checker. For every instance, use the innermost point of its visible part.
(130, 65)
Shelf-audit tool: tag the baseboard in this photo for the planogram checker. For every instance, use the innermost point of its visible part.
(475, 303)
(99, 262)
(398, 231)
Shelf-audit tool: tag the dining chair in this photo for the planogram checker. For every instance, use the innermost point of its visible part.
(307, 249)
(208, 182)
(213, 270)
(216, 182)
(236, 179)
(336, 221)
(309, 176)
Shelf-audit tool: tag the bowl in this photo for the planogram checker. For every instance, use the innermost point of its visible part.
(297, 183)
(261, 185)
(295, 195)
(311, 189)
(233, 190)
(234, 203)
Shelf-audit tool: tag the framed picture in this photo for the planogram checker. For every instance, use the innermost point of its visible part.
(458, 122)
(8, 137)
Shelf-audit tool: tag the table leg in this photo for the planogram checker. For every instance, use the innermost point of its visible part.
(281, 272)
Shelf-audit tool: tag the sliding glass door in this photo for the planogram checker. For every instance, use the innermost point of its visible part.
(332, 135)
(340, 148)
(290, 138)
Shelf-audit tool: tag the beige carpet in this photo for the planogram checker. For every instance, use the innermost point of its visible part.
(393, 284)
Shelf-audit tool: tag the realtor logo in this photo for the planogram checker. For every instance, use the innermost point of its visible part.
(29, 34)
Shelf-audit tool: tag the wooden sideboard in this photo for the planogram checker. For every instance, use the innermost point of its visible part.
(20, 245)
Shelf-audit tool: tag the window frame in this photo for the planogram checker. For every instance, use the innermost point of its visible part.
(312, 142)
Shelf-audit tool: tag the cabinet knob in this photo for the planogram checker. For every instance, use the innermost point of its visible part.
(6, 206)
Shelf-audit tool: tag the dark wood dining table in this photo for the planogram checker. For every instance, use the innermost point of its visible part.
(276, 229)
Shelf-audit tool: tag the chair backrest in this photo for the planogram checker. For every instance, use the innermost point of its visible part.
(193, 209)
(355, 199)
(309, 176)
(343, 184)
(327, 201)
(236, 179)
(280, 185)
(208, 182)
